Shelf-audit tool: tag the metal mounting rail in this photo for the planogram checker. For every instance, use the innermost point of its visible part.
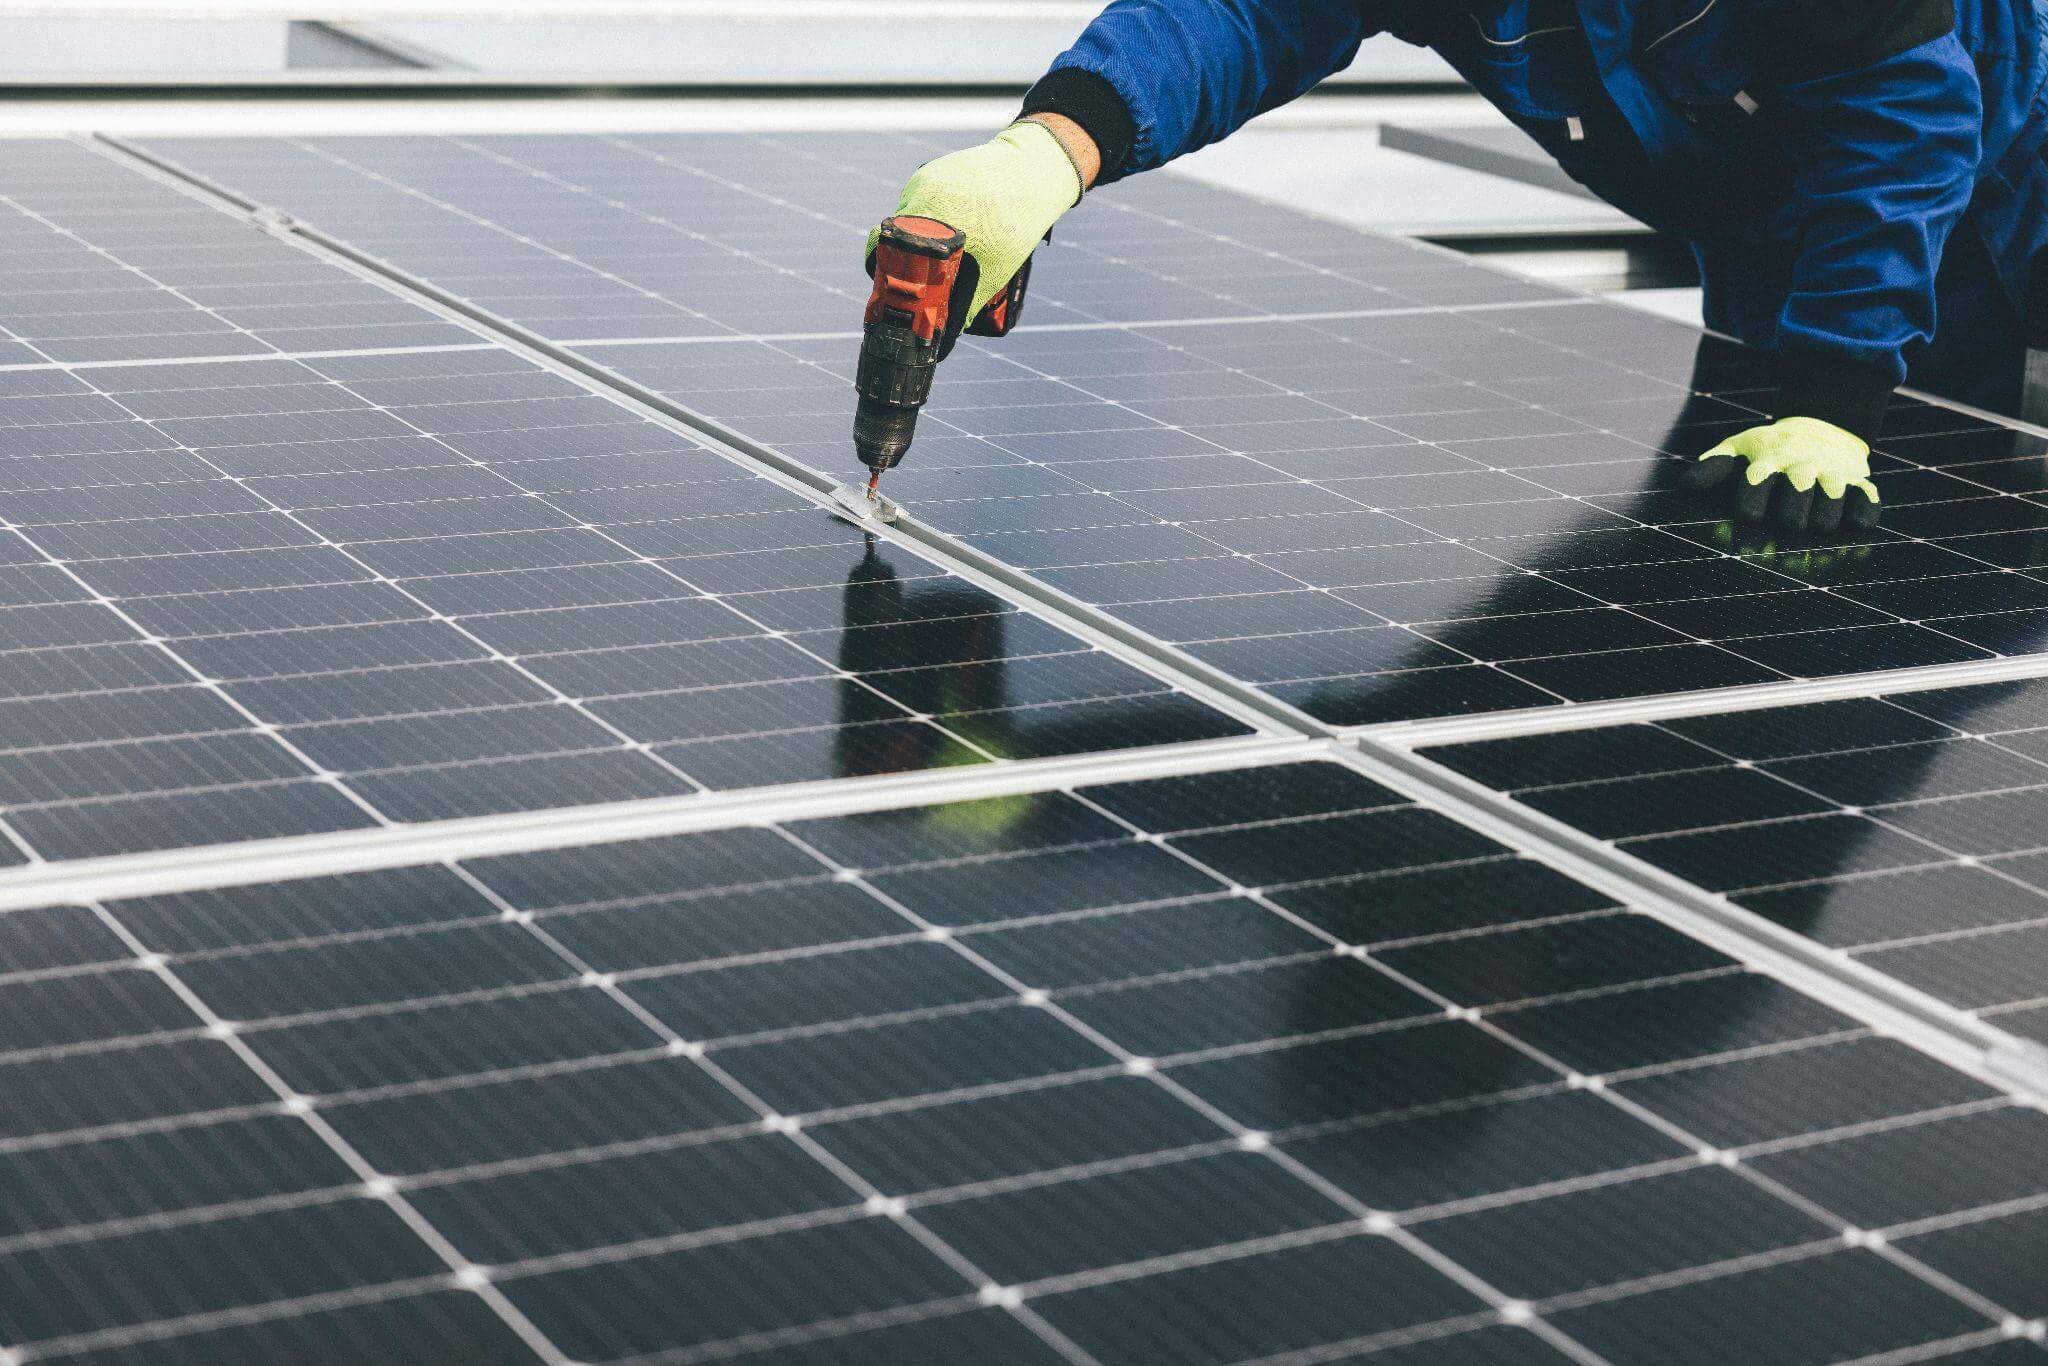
(159, 872)
(1571, 716)
(1383, 753)
(1148, 325)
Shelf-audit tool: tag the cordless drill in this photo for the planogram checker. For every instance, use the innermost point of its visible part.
(920, 265)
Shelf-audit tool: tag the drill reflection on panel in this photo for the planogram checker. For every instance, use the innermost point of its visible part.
(955, 632)
(921, 276)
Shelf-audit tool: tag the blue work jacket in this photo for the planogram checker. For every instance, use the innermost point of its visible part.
(1818, 153)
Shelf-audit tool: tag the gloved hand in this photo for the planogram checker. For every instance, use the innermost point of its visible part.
(1799, 472)
(1004, 195)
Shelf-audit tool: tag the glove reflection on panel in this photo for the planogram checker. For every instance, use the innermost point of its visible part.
(1800, 473)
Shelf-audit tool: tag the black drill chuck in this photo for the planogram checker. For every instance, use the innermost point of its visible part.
(918, 265)
(893, 381)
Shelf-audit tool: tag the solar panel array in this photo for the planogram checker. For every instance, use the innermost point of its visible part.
(1413, 512)
(1907, 830)
(1258, 1061)
(809, 1092)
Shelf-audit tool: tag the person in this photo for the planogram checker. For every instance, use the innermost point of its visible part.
(1863, 181)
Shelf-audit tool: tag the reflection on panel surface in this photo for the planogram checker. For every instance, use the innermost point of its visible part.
(1309, 469)
(1203, 1068)
(1909, 830)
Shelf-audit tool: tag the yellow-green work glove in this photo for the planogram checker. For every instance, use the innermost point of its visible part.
(1801, 473)
(1004, 196)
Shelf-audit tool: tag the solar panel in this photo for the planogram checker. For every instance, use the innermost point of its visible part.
(285, 595)
(106, 265)
(1459, 498)
(465, 592)
(1905, 830)
(1136, 1072)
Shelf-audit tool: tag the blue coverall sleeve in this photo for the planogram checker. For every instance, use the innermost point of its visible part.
(1885, 160)
(1193, 71)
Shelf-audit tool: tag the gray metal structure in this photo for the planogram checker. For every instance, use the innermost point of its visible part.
(1499, 150)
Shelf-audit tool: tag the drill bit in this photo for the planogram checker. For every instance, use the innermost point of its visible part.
(874, 484)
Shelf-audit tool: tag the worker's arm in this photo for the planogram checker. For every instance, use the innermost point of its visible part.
(1881, 106)
(1152, 79)
(1148, 80)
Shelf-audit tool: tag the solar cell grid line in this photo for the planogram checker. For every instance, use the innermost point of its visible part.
(75, 573)
(872, 1199)
(668, 316)
(1315, 251)
(534, 264)
(1310, 316)
(1901, 829)
(466, 1275)
(27, 371)
(1067, 1107)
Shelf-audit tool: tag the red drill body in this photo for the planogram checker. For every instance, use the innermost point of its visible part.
(921, 272)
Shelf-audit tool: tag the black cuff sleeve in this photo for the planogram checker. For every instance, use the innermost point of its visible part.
(1851, 396)
(1809, 39)
(1091, 101)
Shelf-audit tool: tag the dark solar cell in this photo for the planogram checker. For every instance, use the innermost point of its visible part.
(1689, 1218)
(1943, 1167)
(1262, 1303)
(70, 1289)
(429, 1324)
(1809, 1090)
(2000, 1254)
(142, 1174)
(1791, 1311)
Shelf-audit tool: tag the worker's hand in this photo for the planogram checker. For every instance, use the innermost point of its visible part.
(1800, 473)
(1004, 196)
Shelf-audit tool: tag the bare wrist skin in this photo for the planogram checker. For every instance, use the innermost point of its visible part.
(1080, 148)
